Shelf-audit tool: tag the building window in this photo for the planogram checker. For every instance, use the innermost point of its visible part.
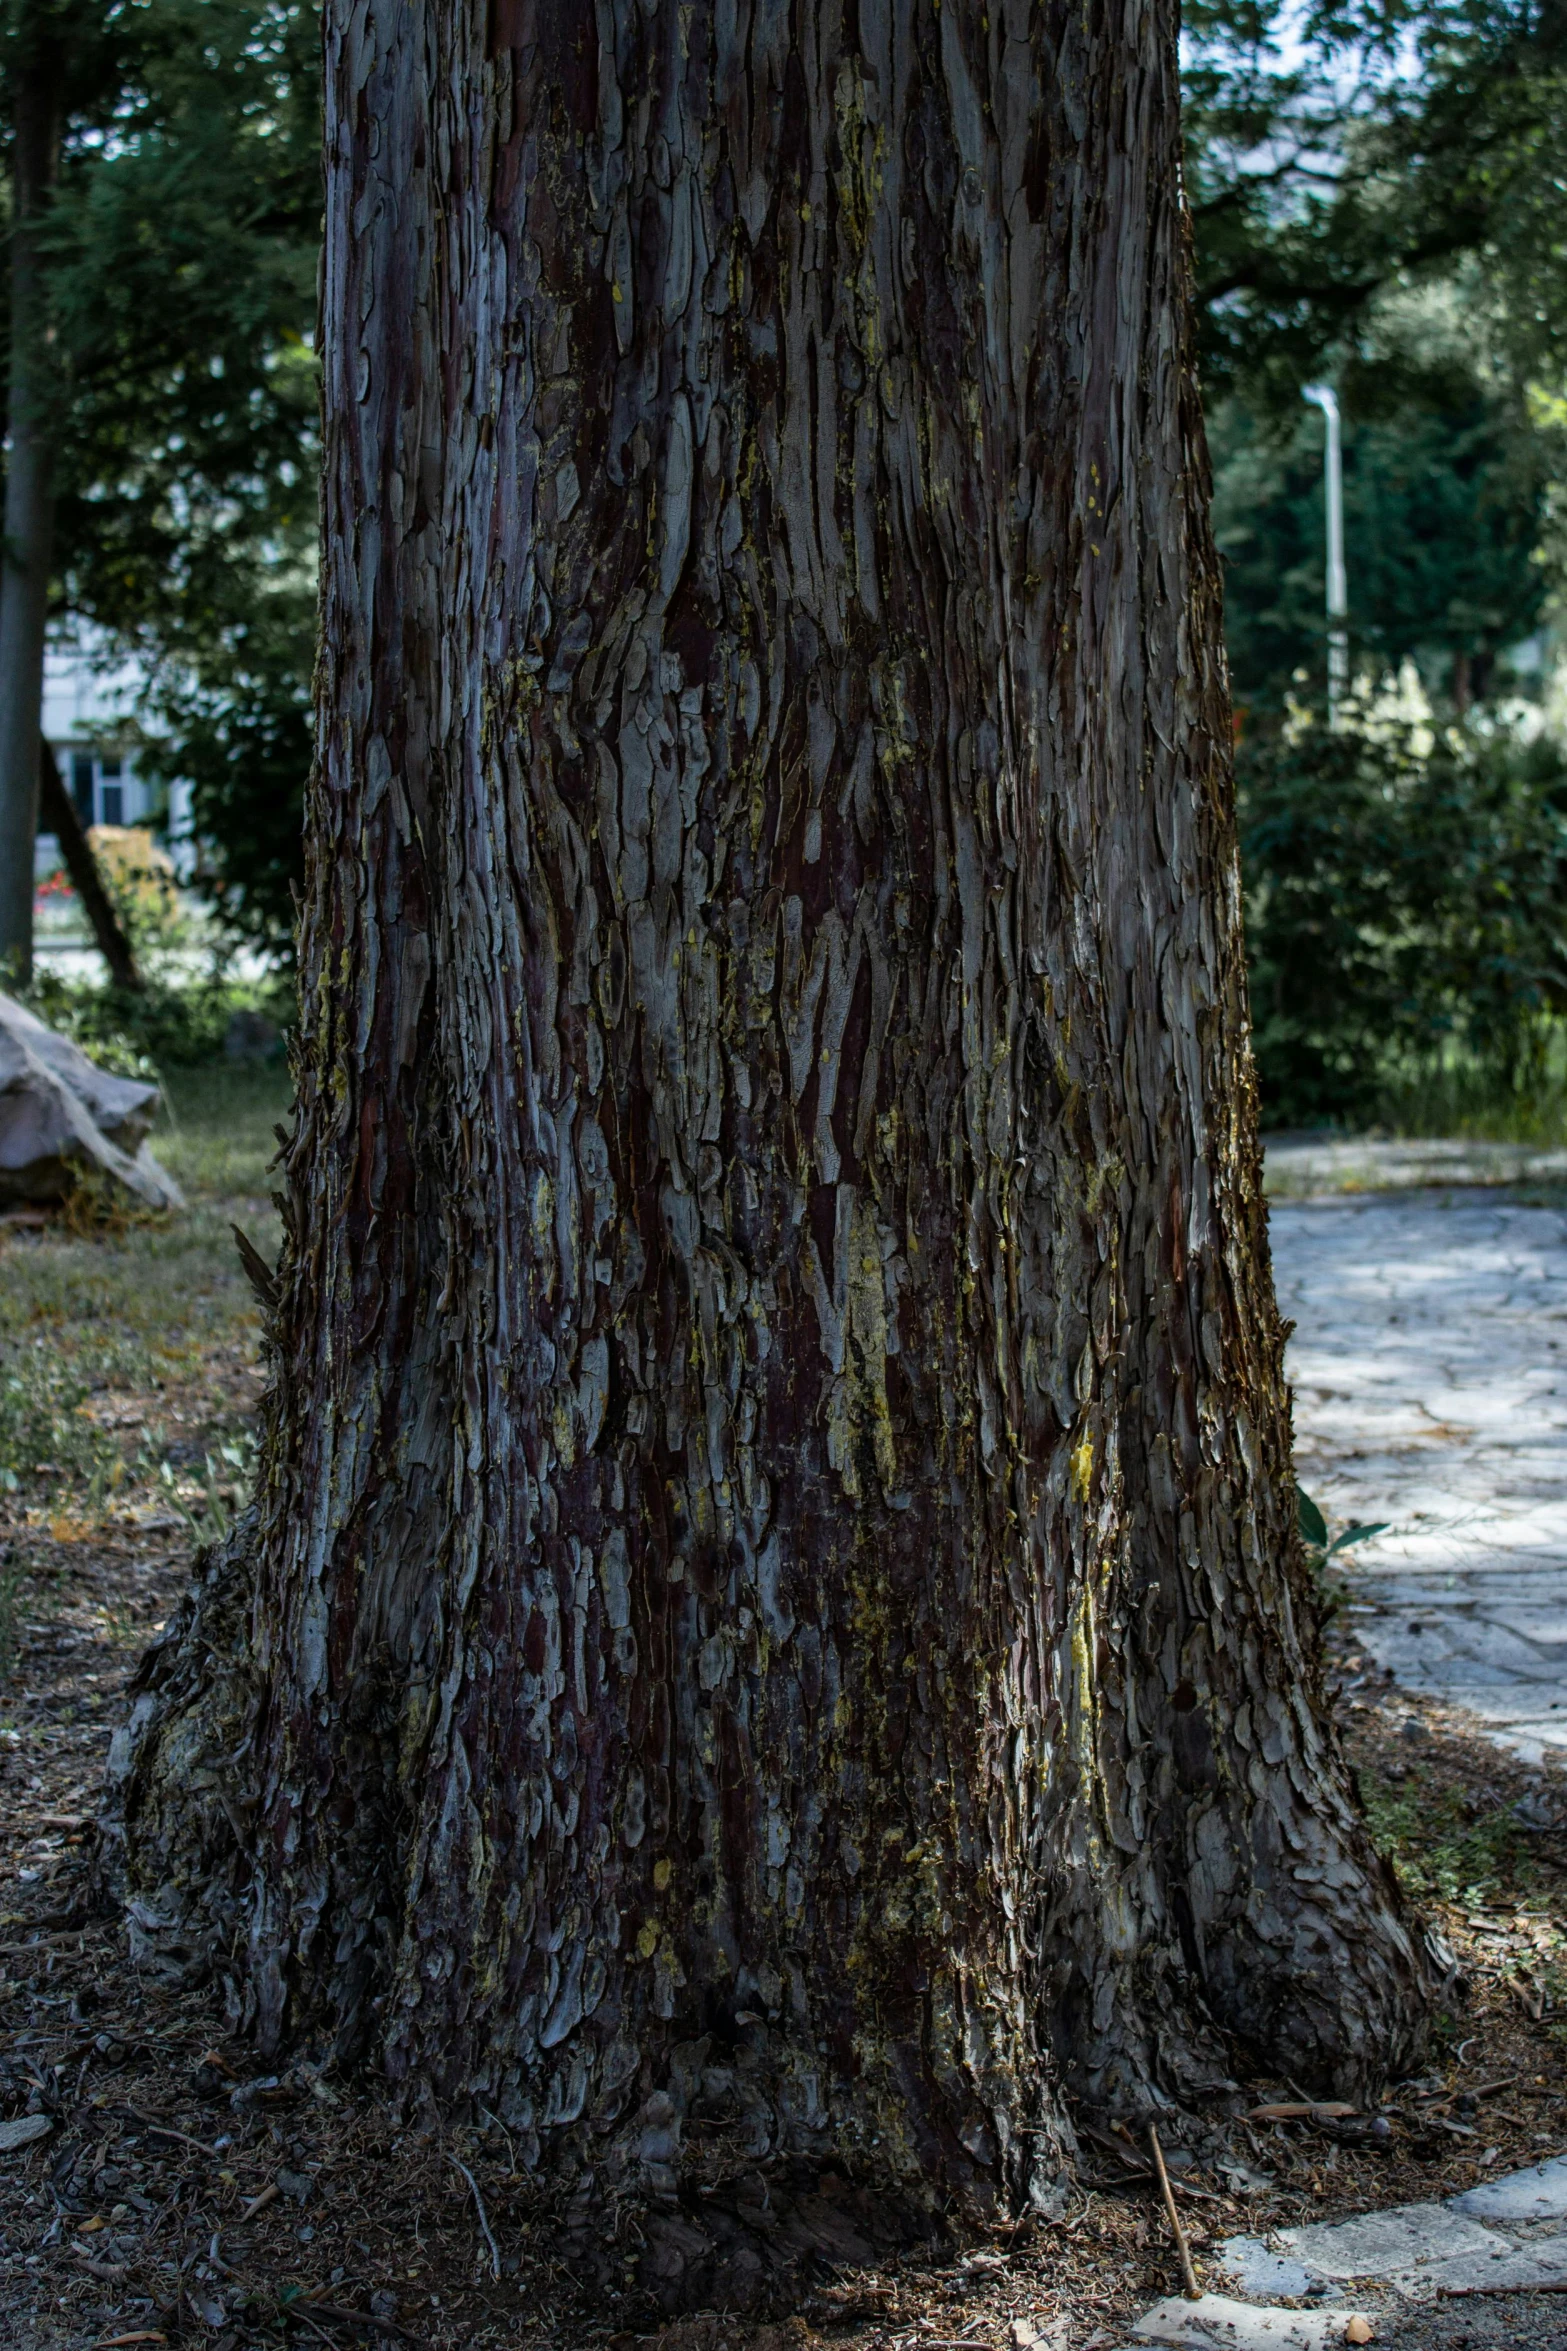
(103, 786)
(113, 789)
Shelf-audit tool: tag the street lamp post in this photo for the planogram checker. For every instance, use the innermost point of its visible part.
(1325, 398)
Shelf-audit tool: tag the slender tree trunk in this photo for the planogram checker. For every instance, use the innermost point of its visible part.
(57, 815)
(773, 1619)
(29, 509)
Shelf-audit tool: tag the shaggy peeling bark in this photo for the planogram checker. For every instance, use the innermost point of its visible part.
(773, 1599)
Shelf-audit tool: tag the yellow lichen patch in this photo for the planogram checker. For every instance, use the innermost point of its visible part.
(1083, 1470)
(647, 1939)
(1107, 1175)
(663, 1871)
(858, 1407)
(1084, 1739)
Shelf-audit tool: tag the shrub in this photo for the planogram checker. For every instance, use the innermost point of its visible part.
(170, 1023)
(1406, 895)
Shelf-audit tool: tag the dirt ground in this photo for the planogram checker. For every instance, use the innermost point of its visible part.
(180, 2195)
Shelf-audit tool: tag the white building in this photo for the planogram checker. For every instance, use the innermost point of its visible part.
(89, 723)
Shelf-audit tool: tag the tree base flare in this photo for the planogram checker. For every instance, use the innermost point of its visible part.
(177, 1793)
(738, 2200)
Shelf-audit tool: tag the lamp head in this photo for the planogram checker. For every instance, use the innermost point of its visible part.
(1321, 396)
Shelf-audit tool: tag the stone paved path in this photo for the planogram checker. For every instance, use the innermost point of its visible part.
(1503, 2238)
(1430, 1374)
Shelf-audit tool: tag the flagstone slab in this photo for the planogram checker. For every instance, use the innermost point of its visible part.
(1392, 2244)
(1539, 2193)
(1258, 2272)
(1542, 2263)
(1219, 2321)
(1429, 1364)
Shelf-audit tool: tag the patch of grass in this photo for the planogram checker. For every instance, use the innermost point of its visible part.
(1457, 1098)
(215, 1133)
(1448, 1847)
(128, 1351)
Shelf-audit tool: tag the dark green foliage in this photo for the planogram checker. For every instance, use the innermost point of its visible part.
(181, 257)
(239, 732)
(169, 1024)
(1443, 510)
(1400, 902)
(1405, 138)
(182, 253)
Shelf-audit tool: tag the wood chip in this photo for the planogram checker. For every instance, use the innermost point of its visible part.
(1303, 2110)
(268, 2195)
(159, 2130)
(24, 2130)
(110, 2271)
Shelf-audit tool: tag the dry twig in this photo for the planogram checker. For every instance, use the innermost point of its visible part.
(484, 2218)
(1193, 2290)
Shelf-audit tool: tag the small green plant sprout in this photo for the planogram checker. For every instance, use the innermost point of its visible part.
(1314, 1530)
(1319, 1550)
(221, 1498)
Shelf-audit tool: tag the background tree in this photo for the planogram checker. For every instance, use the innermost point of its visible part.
(1374, 197)
(773, 1598)
(1377, 200)
(1445, 499)
(1338, 152)
(175, 283)
(39, 84)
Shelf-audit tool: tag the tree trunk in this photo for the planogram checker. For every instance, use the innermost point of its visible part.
(29, 507)
(57, 815)
(773, 1619)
